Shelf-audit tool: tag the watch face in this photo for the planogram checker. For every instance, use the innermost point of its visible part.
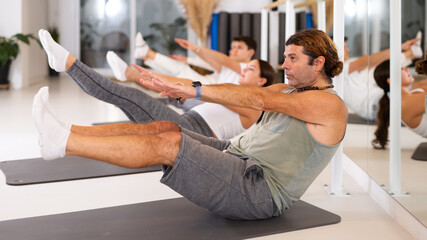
(196, 84)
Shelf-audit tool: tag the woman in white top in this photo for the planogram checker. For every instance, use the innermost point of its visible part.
(413, 105)
(361, 94)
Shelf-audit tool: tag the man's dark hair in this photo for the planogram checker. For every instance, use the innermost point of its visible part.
(250, 42)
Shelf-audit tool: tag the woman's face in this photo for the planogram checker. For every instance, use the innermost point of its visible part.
(407, 78)
(251, 75)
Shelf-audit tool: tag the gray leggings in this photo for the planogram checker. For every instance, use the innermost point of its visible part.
(138, 106)
(228, 185)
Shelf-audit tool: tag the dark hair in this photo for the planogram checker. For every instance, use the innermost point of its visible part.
(421, 66)
(317, 43)
(381, 74)
(266, 71)
(250, 42)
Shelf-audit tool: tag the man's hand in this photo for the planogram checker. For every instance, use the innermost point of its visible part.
(177, 90)
(165, 88)
(187, 44)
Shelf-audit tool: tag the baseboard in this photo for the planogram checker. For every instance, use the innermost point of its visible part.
(382, 198)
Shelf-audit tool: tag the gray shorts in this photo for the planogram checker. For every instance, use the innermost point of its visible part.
(223, 183)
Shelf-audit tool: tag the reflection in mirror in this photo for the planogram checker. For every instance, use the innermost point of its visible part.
(414, 178)
(104, 26)
(375, 158)
(356, 83)
(160, 22)
(412, 171)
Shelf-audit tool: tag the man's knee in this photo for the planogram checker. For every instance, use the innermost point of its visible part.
(170, 144)
(165, 126)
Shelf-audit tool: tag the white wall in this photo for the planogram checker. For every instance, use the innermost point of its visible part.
(65, 15)
(11, 23)
(34, 60)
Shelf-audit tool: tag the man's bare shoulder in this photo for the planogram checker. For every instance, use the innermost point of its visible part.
(325, 101)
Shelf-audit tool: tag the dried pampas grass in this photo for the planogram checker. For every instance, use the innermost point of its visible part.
(199, 15)
(329, 14)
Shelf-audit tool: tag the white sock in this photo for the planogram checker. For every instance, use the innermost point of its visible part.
(41, 37)
(141, 47)
(44, 92)
(53, 136)
(57, 55)
(118, 65)
(416, 48)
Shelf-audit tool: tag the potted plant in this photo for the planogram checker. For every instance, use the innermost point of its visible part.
(9, 50)
(167, 32)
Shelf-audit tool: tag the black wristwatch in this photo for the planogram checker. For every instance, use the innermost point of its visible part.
(198, 86)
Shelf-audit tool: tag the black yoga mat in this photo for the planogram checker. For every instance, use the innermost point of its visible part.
(166, 219)
(420, 152)
(37, 170)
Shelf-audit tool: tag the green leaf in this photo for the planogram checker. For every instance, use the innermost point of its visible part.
(3, 58)
(9, 48)
(35, 39)
(22, 37)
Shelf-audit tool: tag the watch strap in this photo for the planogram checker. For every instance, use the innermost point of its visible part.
(198, 92)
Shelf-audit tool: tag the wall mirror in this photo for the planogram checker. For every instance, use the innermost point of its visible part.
(368, 31)
(105, 25)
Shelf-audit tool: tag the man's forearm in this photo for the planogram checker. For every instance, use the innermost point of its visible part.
(233, 95)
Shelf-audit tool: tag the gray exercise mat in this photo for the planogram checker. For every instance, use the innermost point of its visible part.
(165, 219)
(420, 152)
(37, 170)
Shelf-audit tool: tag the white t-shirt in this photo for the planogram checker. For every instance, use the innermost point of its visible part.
(422, 127)
(223, 122)
(196, 61)
(361, 92)
(227, 75)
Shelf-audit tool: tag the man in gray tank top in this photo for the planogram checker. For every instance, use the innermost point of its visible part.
(253, 176)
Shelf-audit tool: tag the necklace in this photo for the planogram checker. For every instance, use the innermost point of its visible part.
(314, 88)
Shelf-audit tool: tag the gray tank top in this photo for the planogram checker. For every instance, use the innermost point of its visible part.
(290, 157)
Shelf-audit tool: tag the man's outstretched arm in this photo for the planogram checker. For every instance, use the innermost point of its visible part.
(214, 58)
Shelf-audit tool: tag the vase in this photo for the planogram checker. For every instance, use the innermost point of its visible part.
(4, 75)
